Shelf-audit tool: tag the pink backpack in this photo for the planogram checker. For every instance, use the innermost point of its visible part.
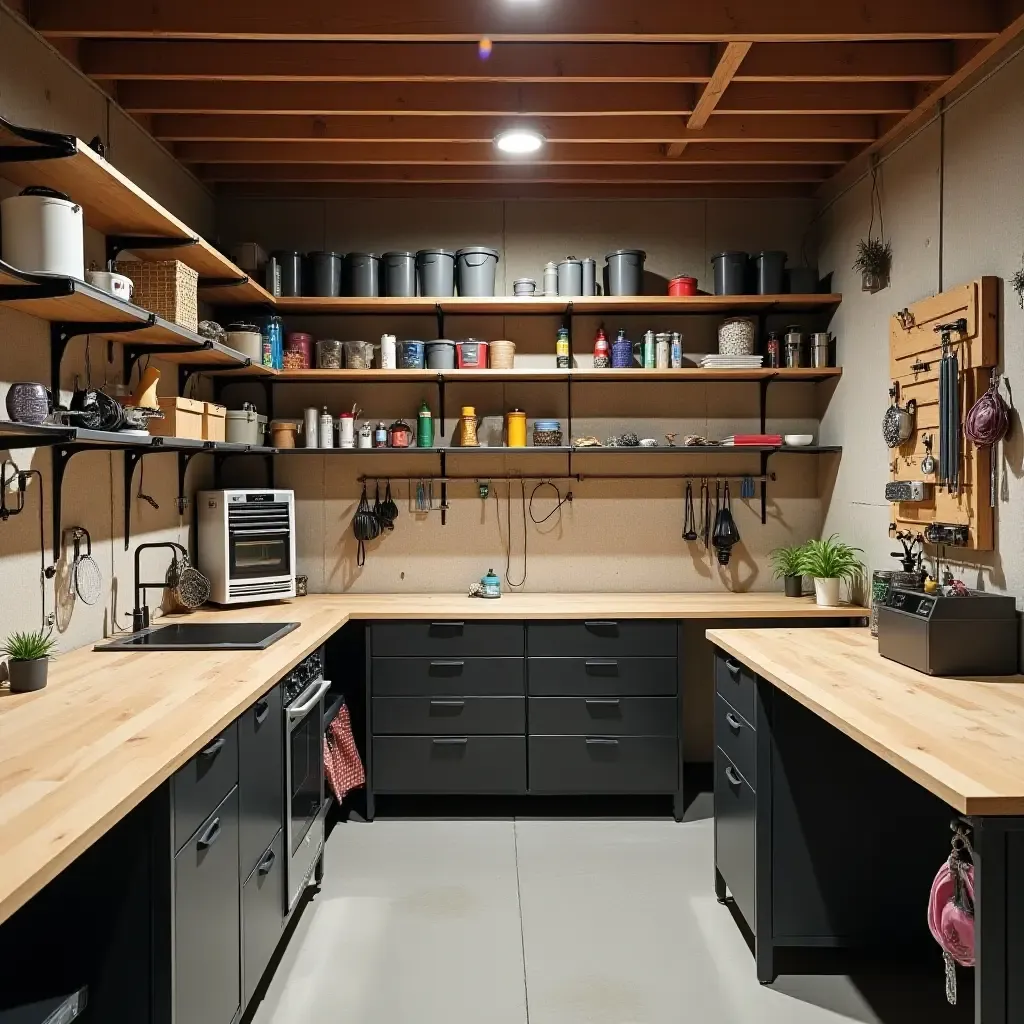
(951, 908)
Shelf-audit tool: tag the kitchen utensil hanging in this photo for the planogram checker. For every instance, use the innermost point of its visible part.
(949, 416)
(188, 587)
(365, 526)
(726, 534)
(689, 516)
(86, 575)
(705, 514)
(898, 423)
(388, 510)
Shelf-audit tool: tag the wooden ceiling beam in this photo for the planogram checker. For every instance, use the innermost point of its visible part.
(667, 172)
(728, 64)
(426, 99)
(752, 98)
(483, 153)
(469, 20)
(241, 128)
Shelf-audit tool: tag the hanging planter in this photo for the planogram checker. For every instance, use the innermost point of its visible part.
(1017, 281)
(874, 261)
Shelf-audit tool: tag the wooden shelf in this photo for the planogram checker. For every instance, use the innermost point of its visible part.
(115, 205)
(593, 305)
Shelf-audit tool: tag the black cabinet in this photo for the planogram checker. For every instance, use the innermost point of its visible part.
(449, 715)
(604, 716)
(263, 915)
(619, 676)
(602, 638)
(448, 639)
(207, 961)
(735, 827)
(447, 677)
(450, 764)
(200, 785)
(603, 764)
(735, 736)
(736, 683)
(260, 778)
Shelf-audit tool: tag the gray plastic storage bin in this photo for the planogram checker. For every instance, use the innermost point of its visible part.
(363, 274)
(570, 276)
(323, 273)
(400, 274)
(476, 266)
(440, 355)
(435, 271)
(626, 271)
(730, 273)
(767, 268)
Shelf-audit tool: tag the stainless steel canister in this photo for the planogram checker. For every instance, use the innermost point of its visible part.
(794, 344)
(821, 346)
(570, 277)
(551, 279)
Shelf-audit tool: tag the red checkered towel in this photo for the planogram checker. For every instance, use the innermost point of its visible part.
(342, 765)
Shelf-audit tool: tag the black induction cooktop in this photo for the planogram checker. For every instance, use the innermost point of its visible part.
(203, 636)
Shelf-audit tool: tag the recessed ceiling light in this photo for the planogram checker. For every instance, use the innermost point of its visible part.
(519, 141)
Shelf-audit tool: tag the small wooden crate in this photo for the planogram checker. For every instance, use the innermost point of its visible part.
(214, 424)
(183, 417)
(168, 288)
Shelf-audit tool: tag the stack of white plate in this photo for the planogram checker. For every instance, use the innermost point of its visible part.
(720, 362)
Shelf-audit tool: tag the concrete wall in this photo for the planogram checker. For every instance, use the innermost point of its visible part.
(953, 210)
(38, 88)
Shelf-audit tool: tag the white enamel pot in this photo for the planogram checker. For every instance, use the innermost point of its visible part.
(118, 285)
(826, 592)
(43, 232)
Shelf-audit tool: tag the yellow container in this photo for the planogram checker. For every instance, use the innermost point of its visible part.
(515, 428)
(467, 427)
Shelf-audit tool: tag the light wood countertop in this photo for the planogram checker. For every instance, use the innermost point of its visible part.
(112, 726)
(962, 739)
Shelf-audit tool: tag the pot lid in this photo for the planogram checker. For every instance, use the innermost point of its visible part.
(524, 280)
(340, 255)
(475, 249)
(548, 425)
(44, 192)
(570, 259)
(286, 252)
(441, 341)
(241, 328)
(627, 252)
(435, 252)
(401, 425)
(363, 255)
(771, 252)
(728, 253)
(397, 252)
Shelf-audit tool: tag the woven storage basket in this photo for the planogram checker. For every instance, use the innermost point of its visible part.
(168, 288)
(503, 354)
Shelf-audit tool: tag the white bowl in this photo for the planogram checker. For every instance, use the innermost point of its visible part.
(799, 440)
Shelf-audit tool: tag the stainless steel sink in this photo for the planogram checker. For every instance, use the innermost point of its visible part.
(202, 636)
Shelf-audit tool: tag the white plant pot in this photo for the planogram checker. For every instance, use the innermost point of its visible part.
(826, 592)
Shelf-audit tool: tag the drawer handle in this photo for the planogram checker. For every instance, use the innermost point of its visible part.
(733, 722)
(214, 748)
(601, 741)
(447, 625)
(267, 863)
(450, 741)
(447, 703)
(600, 625)
(448, 664)
(733, 667)
(601, 663)
(210, 836)
(611, 702)
(262, 710)
(734, 779)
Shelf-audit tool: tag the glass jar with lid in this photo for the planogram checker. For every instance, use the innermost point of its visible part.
(328, 354)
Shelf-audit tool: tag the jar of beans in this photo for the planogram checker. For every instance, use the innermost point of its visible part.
(298, 351)
(547, 434)
(328, 354)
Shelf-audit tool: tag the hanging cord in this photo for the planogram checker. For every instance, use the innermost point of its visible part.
(876, 198)
(140, 494)
(508, 546)
(558, 508)
(45, 572)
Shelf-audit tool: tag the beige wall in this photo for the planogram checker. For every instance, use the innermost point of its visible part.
(954, 210)
(38, 88)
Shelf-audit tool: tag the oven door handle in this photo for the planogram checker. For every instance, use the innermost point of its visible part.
(259, 531)
(299, 711)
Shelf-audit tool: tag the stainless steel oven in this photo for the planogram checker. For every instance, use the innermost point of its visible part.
(305, 810)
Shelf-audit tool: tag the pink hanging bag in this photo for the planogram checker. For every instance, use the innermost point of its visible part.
(951, 908)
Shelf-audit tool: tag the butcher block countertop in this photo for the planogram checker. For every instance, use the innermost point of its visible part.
(961, 739)
(112, 726)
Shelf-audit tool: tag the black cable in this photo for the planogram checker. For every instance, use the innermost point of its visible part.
(558, 508)
(508, 547)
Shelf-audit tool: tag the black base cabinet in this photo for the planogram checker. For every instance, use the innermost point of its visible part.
(563, 708)
(263, 902)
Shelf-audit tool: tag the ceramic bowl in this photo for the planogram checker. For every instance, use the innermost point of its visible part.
(799, 440)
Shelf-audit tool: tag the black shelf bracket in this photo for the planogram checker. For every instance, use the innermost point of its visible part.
(133, 353)
(223, 282)
(33, 288)
(116, 244)
(762, 387)
(62, 332)
(567, 324)
(440, 401)
(184, 458)
(439, 314)
(61, 455)
(45, 145)
(444, 488)
(132, 457)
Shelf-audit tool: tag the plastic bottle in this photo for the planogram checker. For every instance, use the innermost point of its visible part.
(562, 349)
(425, 427)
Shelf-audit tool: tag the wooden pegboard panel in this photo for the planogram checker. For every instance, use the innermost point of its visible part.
(915, 351)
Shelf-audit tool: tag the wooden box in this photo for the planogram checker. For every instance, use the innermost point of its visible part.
(183, 417)
(214, 421)
(167, 288)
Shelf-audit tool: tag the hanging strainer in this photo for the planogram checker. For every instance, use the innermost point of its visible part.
(87, 576)
(188, 587)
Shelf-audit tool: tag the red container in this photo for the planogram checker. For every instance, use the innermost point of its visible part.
(298, 351)
(472, 354)
(682, 286)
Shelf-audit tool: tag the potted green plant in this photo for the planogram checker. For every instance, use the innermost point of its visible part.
(28, 658)
(1017, 282)
(786, 562)
(874, 261)
(829, 562)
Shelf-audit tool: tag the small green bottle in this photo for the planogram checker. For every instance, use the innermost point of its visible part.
(425, 427)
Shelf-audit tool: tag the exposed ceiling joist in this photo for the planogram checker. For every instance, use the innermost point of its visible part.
(727, 66)
(594, 20)
(405, 154)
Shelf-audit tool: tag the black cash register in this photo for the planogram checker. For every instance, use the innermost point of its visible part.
(950, 636)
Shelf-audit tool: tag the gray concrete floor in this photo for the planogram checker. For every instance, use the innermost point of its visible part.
(544, 922)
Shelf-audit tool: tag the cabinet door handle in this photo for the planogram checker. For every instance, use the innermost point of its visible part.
(447, 703)
(732, 666)
(600, 624)
(733, 722)
(601, 741)
(262, 710)
(611, 702)
(447, 664)
(214, 748)
(450, 741)
(601, 663)
(267, 863)
(210, 836)
(734, 779)
(447, 625)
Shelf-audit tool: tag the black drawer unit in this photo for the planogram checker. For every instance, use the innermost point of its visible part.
(604, 764)
(736, 737)
(735, 830)
(599, 676)
(449, 715)
(260, 778)
(448, 677)
(201, 784)
(736, 683)
(605, 716)
(449, 764)
(263, 903)
(602, 638)
(448, 638)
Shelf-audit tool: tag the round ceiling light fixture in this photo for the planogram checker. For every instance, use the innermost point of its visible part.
(519, 141)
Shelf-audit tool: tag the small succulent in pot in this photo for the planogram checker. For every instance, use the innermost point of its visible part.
(830, 562)
(28, 659)
(787, 564)
(874, 261)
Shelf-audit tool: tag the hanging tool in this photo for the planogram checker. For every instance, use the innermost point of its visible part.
(727, 535)
(705, 513)
(689, 516)
(747, 487)
(949, 407)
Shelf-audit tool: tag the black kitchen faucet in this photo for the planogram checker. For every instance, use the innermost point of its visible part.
(140, 613)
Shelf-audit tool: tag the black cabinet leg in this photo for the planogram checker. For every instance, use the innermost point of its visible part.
(678, 806)
(318, 869)
(764, 955)
(719, 886)
(371, 806)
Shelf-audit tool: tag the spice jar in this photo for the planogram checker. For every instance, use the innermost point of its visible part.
(602, 351)
(380, 435)
(366, 436)
(298, 351)
(467, 428)
(328, 354)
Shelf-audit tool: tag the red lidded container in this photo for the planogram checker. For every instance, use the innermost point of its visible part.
(298, 351)
(682, 286)
(472, 354)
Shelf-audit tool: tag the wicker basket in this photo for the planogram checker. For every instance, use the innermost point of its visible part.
(503, 355)
(167, 288)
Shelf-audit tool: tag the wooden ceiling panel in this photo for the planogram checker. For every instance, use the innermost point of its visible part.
(455, 20)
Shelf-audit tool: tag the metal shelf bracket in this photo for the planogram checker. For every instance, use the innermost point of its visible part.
(116, 244)
(62, 332)
(47, 145)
